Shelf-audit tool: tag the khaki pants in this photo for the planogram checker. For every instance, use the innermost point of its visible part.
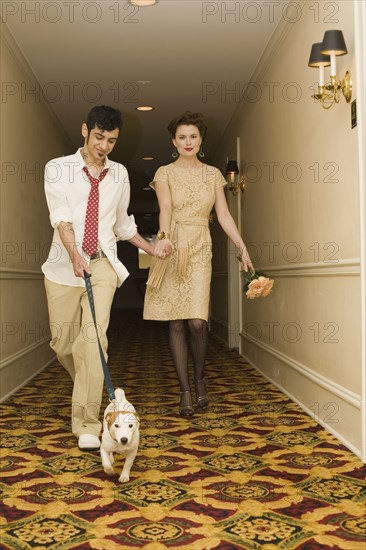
(75, 344)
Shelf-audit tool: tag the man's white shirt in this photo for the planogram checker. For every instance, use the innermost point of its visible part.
(67, 190)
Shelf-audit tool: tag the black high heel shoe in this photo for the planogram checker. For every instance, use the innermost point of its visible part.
(201, 393)
(185, 405)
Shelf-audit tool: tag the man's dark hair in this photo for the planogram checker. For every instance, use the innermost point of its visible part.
(188, 118)
(104, 118)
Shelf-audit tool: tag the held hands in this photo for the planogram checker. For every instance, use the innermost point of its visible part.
(163, 249)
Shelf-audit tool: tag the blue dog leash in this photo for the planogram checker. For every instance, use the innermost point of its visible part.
(108, 381)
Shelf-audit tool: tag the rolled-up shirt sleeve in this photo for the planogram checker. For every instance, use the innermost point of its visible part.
(58, 206)
(125, 227)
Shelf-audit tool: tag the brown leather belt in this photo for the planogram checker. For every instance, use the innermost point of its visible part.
(98, 255)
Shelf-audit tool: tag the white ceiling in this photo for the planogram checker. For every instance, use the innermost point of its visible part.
(175, 55)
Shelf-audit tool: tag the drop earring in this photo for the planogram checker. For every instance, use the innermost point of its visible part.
(201, 154)
(175, 154)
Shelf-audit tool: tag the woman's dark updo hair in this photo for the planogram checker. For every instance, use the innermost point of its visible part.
(188, 118)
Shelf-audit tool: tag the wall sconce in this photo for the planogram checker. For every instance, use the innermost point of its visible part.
(232, 173)
(324, 54)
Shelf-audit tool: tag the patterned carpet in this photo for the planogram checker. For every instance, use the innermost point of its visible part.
(253, 472)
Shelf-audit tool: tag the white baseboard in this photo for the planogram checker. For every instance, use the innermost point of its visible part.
(22, 353)
(327, 384)
(334, 407)
(19, 368)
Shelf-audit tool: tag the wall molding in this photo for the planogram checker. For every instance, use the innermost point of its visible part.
(218, 328)
(11, 44)
(360, 82)
(25, 382)
(347, 267)
(308, 411)
(17, 54)
(22, 353)
(343, 267)
(14, 273)
(279, 35)
(349, 397)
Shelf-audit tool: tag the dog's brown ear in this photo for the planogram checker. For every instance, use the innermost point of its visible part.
(111, 417)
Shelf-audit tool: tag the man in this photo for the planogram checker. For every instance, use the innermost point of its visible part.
(88, 196)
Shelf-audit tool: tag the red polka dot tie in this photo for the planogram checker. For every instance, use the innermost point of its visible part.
(90, 241)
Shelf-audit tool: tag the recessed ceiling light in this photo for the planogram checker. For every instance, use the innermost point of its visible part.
(142, 3)
(147, 158)
(145, 108)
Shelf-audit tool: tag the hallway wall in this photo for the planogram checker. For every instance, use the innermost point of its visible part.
(30, 136)
(301, 222)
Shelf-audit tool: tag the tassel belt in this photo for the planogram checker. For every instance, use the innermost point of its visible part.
(182, 241)
(158, 268)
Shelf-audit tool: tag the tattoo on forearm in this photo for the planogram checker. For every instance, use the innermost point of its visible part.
(67, 234)
(66, 227)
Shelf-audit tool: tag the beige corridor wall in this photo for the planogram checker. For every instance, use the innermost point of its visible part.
(30, 136)
(300, 216)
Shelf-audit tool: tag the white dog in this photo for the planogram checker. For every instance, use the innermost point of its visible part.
(121, 434)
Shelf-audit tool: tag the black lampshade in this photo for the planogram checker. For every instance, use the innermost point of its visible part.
(232, 167)
(317, 57)
(333, 41)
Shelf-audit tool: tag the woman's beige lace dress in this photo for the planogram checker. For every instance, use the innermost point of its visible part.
(179, 287)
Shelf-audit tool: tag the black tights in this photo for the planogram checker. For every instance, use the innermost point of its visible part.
(182, 332)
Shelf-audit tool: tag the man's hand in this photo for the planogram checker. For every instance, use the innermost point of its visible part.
(68, 238)
(80, 265)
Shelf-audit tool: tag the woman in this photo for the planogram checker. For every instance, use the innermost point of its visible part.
(178, 288)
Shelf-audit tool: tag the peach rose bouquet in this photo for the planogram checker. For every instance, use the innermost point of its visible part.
(257, 284)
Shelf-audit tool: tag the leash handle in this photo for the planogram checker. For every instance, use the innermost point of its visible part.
(108, 381)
